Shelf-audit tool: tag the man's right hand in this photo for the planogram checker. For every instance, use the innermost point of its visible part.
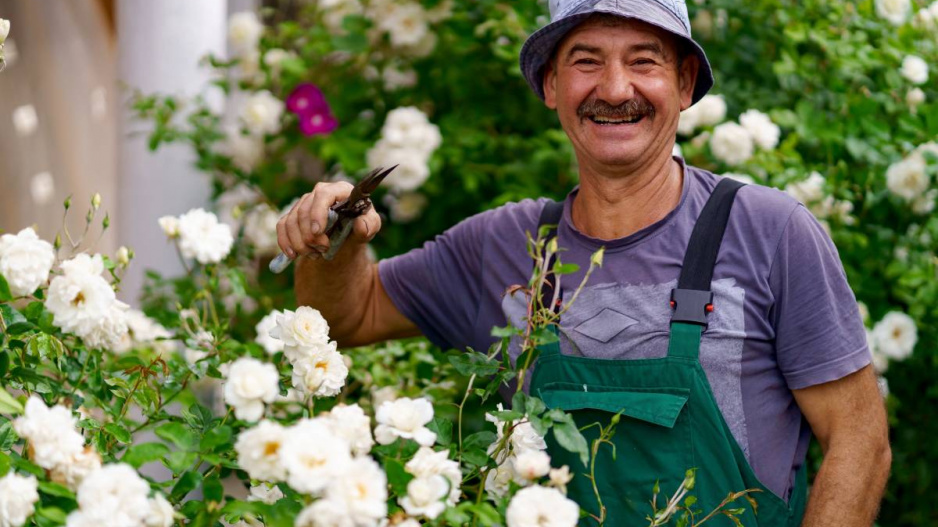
(301, 231)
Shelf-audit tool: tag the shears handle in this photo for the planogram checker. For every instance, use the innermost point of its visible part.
(336, 239)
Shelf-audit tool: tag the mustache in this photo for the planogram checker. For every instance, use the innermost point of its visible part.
(599, 108)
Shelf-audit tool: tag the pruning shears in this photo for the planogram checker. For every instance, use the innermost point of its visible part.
(342, 216)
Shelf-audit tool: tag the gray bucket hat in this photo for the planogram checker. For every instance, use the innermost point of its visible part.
(670, 15)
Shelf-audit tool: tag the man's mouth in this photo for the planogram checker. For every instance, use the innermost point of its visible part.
(612, 121)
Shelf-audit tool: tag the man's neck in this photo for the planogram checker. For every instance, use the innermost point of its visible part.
(610, 208)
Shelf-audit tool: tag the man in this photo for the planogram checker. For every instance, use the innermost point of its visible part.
(783, 350)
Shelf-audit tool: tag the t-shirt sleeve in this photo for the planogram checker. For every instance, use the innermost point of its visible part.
(819, 333)
(437, 286)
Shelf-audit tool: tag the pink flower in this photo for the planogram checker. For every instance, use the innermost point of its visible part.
(309, 104)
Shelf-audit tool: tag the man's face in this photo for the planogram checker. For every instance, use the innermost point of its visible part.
(618, 91)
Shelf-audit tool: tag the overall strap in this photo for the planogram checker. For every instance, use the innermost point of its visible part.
(692, 300)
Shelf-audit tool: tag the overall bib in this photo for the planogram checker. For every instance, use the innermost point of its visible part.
(670, 421)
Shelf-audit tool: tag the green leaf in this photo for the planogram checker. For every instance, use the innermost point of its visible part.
(118, 431)
(213, 490)
(5, 294)
(8, 404)
(215, 438)
(479, 440)
(5, 464)
(54, 489)
(179, 434)
(143, 453)
(53, 514)
(472, 363)
(178, 461)
(186, 483)
(443, 429)
(570, 438)
(398, 477)
(562, 268)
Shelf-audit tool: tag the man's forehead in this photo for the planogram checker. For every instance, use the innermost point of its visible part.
(635, 31)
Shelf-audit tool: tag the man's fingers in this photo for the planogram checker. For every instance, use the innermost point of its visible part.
(294, 234)
(324, 196)
(366, 226)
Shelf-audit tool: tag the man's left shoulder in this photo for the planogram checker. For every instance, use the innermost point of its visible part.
(762, 209)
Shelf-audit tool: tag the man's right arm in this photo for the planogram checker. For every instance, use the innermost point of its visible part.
(347, 290)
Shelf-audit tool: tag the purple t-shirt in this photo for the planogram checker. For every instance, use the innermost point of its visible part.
(787, 319)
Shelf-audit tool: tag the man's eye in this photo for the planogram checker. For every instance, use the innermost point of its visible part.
(644, 62)
(586, 61)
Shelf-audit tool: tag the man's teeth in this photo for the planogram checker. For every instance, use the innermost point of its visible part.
(606, 120)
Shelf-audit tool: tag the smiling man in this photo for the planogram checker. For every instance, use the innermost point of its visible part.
(721, 325)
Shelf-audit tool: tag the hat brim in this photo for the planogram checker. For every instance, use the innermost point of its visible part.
(540, 46)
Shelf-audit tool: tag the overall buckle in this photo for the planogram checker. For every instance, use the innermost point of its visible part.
(691, 306)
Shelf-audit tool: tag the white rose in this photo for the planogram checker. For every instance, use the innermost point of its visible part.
(261, 113)
(895, 335)
(532, 464)
(260, 228)
(915, 97)
(395, 78)
(907, 179)
(688, 121)
(408, 127)
(259, 451)
(425, 496)
(170, 225)
(244, 32)
(245, 151)
(411, 172)
(914, 69)
(541, 507)
(363, 487)
(51, 432)
(406, 24)
(498, 481)
(4, 30)
(427, 462)
(18, 494)
(270, 344)
(304, 327)
(161, 512)
(712, 110)
(731, 144)
(926, 18)
(311, 470)
(559, 477)
(324, 513)
(75, 470)
(406, 207)
(250, 383)
(25, 261)
(764, 132)
(265, 493)
(405, 418)
(352, 424)
(113, 495)
(107, 332)
(146, 331)
(894, 11)
(321, 374)
(808, 191)
(925, 203)
(203, 238)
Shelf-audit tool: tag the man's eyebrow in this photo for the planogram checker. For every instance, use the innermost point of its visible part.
(650, 46)
(585, 48)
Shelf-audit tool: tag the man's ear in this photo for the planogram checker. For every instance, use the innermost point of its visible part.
(550, 84)
(687, 78)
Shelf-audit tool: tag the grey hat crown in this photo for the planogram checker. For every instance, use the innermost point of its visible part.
(670, 15)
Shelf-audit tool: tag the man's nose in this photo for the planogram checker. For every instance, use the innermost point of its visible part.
(616, 84)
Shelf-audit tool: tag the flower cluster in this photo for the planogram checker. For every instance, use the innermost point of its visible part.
(436, 483)
(523, 460)
(910, 181)
(350, 485)
(56, 445)
(312, 110)
(319, 370)
(408, 139)
(405, 23)
(810, 192)
(709, 111)
(25, 261)
(734, 144)
(83, 303)
(199, 235)
(116, 496)
(18, 497)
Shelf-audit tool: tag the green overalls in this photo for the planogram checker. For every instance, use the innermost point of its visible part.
(670, 421)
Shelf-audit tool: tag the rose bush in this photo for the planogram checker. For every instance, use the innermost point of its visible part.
(832, 102)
